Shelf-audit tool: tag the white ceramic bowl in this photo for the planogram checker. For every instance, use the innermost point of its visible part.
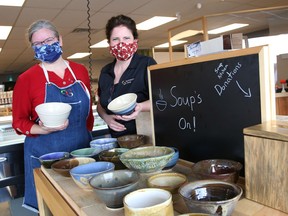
(53, 114)
(148, 201)
(123, 104)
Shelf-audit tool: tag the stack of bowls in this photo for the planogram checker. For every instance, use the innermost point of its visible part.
(124, 104)
(53, 114)
(147, 159)
(104, 143)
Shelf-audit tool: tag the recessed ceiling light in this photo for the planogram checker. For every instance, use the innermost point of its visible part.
(185, 34)
(154, 22)
(4, 32)
(227, 28)
(79, 55)
(173, 43)
(101, 44)
(16, 3)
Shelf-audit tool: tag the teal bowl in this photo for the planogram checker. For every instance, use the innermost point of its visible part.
(86, 152)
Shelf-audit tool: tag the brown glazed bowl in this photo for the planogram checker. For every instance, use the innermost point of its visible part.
(131, 141)
(63, 167)
(113, 155)
(212, 197)
(225, 170)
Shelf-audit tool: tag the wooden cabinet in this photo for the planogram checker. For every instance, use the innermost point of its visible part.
(282, 103)
(266, 164)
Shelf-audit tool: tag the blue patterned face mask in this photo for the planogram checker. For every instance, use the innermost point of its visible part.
(48, 53)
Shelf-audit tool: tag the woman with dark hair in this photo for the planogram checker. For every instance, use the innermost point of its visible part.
(126, 74)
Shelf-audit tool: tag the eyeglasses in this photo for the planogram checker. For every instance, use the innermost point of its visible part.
(46, 41)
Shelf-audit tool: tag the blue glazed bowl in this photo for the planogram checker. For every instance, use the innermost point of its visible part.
(83, 173)
(173, 160)
(127, 111)
(48, 159)
(111, 187)
(86, 152)
(104, 143)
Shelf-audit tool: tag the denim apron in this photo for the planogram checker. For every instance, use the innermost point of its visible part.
(75, 136)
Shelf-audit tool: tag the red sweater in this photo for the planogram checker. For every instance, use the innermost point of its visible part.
(29, 92)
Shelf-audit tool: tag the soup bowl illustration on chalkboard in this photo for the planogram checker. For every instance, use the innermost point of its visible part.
(161, 104)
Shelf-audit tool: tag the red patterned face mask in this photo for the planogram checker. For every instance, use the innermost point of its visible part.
(123, 51)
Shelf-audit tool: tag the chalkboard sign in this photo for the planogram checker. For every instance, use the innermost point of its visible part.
(202, 105)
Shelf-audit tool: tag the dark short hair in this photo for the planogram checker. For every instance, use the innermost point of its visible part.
(118, 21)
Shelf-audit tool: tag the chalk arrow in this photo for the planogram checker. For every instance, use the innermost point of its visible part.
(247, 94)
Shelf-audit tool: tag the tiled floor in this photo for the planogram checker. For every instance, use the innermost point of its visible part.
(12, 207)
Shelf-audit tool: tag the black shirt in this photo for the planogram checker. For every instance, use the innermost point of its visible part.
(133, 80)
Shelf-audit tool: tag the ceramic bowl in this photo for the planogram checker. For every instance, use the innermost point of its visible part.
(194, 214)
(113, 155)
(225, 170)
(211, 196)
(124, 104)
(147, 159)
(173, 161)
(131, 141)
(148, 201)
(53, 114)
(111, 187)
(167, 181)
(48, 159)
(86, 152)
(83, 173)
(104, 143)
(63, 167)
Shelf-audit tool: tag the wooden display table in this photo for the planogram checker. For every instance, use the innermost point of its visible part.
(61, 196)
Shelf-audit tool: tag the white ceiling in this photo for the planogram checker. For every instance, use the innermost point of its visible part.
(67, 15)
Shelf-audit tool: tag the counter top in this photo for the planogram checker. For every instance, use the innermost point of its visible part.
(15, 139)
(62, 197)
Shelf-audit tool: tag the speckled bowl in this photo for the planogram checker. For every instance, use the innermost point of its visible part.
(63, 167)
(83, 173)
(48, 159)
(147, 159)
(111, 187)
(212, 197)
